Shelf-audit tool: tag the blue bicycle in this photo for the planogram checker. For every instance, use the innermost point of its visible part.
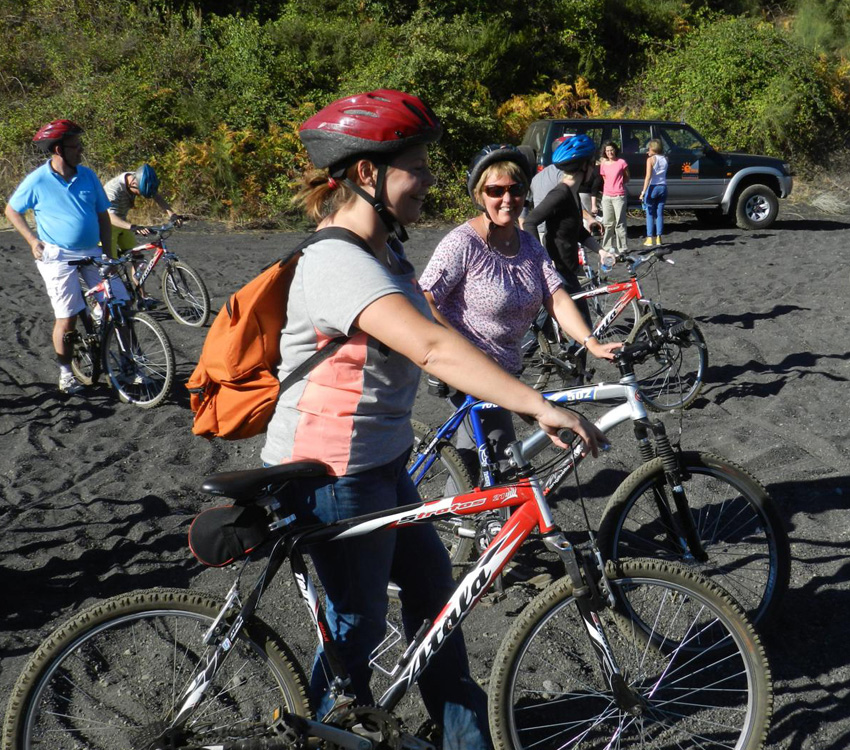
(686, 506)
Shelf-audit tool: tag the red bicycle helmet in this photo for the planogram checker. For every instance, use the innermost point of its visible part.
(55, 132)
(375, 124)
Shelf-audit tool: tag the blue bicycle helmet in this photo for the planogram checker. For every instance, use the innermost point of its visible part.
(573, 152)
(491, 154)
(147, 181)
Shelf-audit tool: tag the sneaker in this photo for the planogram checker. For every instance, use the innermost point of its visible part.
(69, 384)
(658, 240)
(648, 242)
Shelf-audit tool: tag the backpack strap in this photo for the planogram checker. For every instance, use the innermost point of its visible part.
(329, 233)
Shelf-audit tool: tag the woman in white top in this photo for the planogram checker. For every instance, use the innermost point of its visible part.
(654, 193)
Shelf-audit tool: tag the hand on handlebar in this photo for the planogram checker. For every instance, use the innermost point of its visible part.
(604, 351)
(176, 219)
(138, 229)
(553, 421)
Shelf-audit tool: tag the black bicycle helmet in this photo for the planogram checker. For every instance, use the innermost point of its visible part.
(376, 126)
(492, 154)
(573, 152)
(55, 132)
(147, 181)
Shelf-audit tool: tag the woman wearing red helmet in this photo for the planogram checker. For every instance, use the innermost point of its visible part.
(353, 410)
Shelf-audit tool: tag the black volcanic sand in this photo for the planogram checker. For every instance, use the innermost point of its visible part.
(97, 496)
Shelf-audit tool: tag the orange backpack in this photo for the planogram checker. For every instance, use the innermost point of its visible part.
(234, 388)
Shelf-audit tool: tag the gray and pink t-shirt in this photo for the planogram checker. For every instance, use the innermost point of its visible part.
(488, 297)
(352, 411)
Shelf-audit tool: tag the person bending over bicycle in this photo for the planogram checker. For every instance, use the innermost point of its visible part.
(353, 411)
(488, 280)
(122, 191)
(71, 216)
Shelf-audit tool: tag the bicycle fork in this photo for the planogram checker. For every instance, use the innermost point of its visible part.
(590, 600)
(679, 520)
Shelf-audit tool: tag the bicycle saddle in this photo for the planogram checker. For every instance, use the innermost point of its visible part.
(245, 486)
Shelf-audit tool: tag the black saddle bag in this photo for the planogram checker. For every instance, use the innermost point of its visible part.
(222, 535)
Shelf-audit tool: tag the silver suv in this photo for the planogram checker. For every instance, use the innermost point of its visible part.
(718, 187)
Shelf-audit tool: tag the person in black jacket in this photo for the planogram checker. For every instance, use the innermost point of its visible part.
(561, 212)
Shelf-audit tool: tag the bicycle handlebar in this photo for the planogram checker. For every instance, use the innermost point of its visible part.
(636, 352)
(159, 231)
(104, 261)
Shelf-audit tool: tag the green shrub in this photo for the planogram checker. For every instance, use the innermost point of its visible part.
(747, 86)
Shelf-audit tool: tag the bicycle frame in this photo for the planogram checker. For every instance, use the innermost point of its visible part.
(631, 410)
(532, 512)
(159, 252)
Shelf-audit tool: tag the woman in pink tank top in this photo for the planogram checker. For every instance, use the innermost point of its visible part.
(615, 176)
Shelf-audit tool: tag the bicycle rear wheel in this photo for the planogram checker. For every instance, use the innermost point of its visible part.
(139, 360)
(186, 295)
(696, 667)
(742, 533)
(673, 377)
(112, 676)
(458, 533)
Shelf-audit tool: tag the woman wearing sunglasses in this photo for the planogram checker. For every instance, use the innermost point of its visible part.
(488, 280)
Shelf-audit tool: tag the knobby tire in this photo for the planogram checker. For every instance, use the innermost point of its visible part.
(109, 678)
(742, 532)
(145, 375)
(683, 645)
(186, 295)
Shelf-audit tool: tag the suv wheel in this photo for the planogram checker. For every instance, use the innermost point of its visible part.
(756, 208)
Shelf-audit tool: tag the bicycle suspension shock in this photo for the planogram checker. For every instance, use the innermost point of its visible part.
(674, 475)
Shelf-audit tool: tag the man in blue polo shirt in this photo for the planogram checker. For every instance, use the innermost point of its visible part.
(71, 217)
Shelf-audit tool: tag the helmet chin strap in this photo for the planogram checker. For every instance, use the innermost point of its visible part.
(390, 222)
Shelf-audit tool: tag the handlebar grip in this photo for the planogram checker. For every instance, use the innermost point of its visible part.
(566, 436)
(81, 262)
(678, 329)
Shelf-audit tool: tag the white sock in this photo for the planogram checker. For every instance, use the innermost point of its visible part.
(64, 369)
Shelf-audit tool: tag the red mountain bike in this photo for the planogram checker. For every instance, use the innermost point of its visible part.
(131, 349)
(183, 290)
(638, 654)
(671, 379)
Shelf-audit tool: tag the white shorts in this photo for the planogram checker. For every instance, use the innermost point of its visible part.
(63, 280)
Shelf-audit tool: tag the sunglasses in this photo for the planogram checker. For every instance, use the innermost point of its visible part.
(516, 189)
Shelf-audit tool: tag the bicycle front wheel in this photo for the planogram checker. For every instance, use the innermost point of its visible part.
(622, 327)
(112, 677)
(186, 295)
(673, 377)
(458, 533)
(694, 673)
(85, 357)
(742, 533)
(139, 360)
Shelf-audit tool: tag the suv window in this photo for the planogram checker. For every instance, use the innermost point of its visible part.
(635, 138)
(680, 139)
(535, 137)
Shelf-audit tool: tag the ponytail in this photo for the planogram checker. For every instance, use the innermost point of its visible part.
(322, 195)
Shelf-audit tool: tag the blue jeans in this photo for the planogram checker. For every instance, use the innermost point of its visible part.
(653, 203)
(355, 573)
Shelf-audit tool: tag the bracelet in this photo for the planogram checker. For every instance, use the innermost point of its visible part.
(587, 338)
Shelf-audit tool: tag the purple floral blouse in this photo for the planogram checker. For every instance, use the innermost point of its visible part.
(488, 297)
